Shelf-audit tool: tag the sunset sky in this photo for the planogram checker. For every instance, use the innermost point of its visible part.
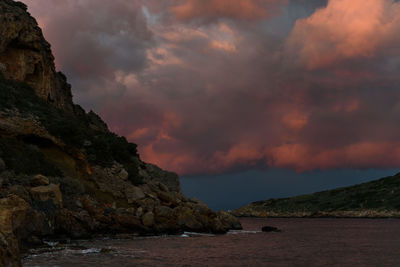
(289, 96)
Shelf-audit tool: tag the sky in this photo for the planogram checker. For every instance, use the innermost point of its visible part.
(287, 91)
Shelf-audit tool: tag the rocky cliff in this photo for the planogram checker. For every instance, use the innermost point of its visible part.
(25, 55)
(63, 174)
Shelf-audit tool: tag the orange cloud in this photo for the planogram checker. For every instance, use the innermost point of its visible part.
(248, 10)
(295, 120)
(301, 157)
(344, 29)
(223, 46)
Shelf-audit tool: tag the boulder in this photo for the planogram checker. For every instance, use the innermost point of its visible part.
(134, 193)
(229, 221)
(270, 229)
(47, 193)
(72, 224)
(148, 219)
(39, 180)
(123, 174)
(164, 211)
(187, 219)
(14, 216)
(167, 198)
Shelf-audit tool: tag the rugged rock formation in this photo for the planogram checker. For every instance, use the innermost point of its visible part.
(63, 174)
(26, 56)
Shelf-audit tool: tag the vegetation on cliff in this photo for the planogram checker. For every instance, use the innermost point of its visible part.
(380, 198)
(74, 129)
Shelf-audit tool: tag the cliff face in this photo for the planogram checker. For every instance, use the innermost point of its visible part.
(26, 56)
(63, 174)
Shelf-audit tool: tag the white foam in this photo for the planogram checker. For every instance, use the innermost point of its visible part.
(238, 232)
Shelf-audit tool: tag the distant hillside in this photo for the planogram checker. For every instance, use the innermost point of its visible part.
(380, 198)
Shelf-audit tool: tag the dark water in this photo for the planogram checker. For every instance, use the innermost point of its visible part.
(303, 242)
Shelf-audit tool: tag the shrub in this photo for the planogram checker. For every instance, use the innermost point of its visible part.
(73, 129)
(25, 159)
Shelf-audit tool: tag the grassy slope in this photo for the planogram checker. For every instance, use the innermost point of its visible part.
(380, 195)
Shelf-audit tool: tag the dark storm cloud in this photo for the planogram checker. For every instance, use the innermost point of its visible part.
(202, 88)
(92, 39)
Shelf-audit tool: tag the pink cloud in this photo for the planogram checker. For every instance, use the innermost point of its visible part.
(248, 10)
(344, 30)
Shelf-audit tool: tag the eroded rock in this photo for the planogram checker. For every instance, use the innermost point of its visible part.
(14, 215)
(39, 180)
(26, 56)
(50, 193)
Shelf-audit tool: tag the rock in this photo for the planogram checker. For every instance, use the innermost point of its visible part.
(167, 197)
(14, 216)
(73, 224)
(9, 251)
(20, 191)
(148, 219)
(123, 174)
(134, 193)
(26, 56)
(151, 172)
(164, 211)
(229, 221)
(148, 204)
(139, 212)
(90, 205)
(47, 193)
(163, 187)
(128, 221)
(39, 180)
(270, 229)
(2, 165)
(187, 219)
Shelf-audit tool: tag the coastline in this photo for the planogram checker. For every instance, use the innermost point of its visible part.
(363, 214)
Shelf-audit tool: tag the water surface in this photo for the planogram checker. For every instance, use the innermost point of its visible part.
(302, 242)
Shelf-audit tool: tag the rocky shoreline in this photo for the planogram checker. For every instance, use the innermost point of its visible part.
(63, 174)
(361, 214)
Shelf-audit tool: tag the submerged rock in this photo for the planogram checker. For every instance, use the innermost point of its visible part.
(270, 229)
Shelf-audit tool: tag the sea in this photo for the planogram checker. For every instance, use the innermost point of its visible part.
(301, 242)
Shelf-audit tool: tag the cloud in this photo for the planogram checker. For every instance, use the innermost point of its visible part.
(346, 30)
(314, 86)
(94, 39)
(211, 10)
